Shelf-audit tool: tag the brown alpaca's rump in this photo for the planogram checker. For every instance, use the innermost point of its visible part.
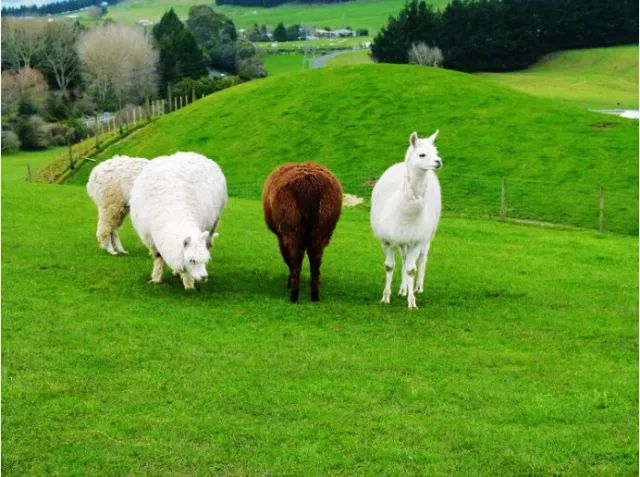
(302, 205)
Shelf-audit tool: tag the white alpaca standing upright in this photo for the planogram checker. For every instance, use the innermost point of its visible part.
(109, 187)
(176, 203)
(405, 210)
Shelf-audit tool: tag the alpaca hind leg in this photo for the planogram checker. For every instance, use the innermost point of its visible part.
(389, 265)
(284, 251)
(115, 237)
(296, 254)
(411, 272)
(158, 268)
(422, 267)
(315, 260)
(103, 232)
(403, 284)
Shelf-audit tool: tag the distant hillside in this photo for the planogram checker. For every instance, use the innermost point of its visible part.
(357, 120)
(596, 77)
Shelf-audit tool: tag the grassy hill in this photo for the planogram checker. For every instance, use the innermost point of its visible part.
(522, 359)
(357, 120)
(371, 14)
(593, 78)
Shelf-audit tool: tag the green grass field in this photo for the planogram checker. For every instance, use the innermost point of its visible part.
(522, 359)
(361, 57)
(279, 64)
(593, 78)
(554, 156)
(370, 14)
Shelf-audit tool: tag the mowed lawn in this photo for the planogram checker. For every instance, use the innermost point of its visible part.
(593, 78)
(521, 360)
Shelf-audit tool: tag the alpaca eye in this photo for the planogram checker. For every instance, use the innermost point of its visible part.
(422, 155)
(193, 262)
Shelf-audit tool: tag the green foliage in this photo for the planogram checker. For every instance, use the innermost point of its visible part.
(501, 35)
(32, 132)
(203, 86)
(280, 32)
(9, 141)
(179, 53)
(555, 156)
(417, 22)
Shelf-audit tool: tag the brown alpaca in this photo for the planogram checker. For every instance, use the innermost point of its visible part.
(302, 205)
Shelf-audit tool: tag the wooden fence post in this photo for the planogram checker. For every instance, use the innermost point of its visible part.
(601, 218)
(71, 164)
(503, 200)
(175, 103)
(171, 98)
(193, 94)
(96, 132)
(29, 177)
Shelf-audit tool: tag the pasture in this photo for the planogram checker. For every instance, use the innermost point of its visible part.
(371, 14)
(554, 156)
(592, 78)
(522, 358)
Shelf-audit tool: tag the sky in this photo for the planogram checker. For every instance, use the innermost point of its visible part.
(17, 3)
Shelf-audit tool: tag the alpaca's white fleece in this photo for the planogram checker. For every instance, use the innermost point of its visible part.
(176, 197)
(399, 217)
(110, 182)
(109, 187)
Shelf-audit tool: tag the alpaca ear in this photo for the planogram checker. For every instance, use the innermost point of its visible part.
(207, 238)
(413, 139)
(433, 137)
(186, 242)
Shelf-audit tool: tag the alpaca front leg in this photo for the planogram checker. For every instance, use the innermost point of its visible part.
(422, 267)
(403, 283)
(411, 272)
(389, 265)
(158, 268)
(188, 281)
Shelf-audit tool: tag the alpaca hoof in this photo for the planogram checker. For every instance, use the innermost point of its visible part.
(411, 304)
(294, 296)
(419, 289)
(402, 291)
(386, 298)
(155, 281)
(315, 296)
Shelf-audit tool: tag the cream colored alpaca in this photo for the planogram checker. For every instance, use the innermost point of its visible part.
(109, 187)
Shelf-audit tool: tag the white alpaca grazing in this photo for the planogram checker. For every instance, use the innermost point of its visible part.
(109, 187)
(405, 210)
(176, 203)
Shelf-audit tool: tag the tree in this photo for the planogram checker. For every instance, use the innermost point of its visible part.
(206, 25)
(179, 53)
(23, 91)
(280, 32)
(96, 13)
(60, 56)
(416, 23)
(22, 42)
(119, 64)
(421, 54)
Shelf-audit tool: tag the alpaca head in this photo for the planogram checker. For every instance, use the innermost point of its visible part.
(422, 153)
(195, 255)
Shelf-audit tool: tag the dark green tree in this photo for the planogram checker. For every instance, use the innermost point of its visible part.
(417, 22)
(280, 32)
(180, 55)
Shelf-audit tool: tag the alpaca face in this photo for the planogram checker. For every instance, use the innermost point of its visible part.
(422, 153)
(196, 255)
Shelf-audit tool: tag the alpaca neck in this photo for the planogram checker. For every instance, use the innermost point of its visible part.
(416, 184)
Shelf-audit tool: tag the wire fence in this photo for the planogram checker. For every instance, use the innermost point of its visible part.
(596, 206)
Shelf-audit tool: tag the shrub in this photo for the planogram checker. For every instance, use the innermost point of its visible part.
(250, 68)
(32, 132)
(362, 32)
(10, 141)
(421, 54)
